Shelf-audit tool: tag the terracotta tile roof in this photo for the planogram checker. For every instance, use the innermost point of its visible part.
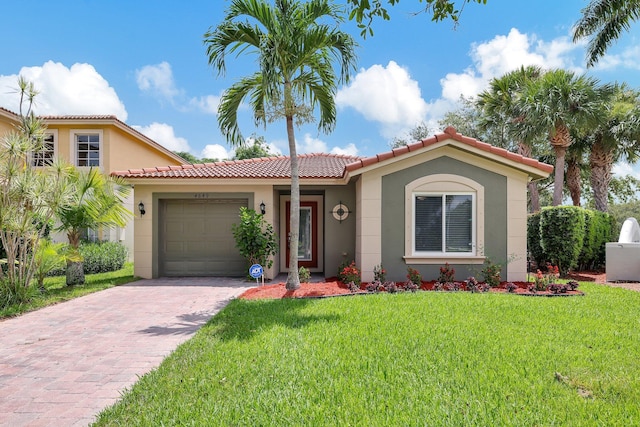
(450, 133)
(318, 165)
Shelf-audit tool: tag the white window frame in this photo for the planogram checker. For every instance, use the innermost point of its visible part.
(32, 156)
(74, 145)
(442, 185)
(443, 252)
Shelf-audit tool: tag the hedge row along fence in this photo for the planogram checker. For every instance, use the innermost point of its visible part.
(569, 237)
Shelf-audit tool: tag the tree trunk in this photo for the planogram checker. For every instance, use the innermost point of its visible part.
(293, 279)
(75, 266)
(75, 273)
(560, 141)
(573, 181)
(534, 197)
(601, 162)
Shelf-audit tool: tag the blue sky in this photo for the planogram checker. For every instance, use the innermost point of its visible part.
(145, 63)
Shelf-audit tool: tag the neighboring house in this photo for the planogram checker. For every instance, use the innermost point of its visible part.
(103, 142)
(447, 198)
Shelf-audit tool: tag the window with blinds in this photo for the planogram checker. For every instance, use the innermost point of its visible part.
(443, 223)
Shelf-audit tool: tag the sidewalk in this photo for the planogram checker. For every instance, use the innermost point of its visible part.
(61, 365)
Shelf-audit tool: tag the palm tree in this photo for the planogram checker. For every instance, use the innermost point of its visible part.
(618, 138)
(295, 48)
(97, 202)
(556, 103)
(603, 21)
(501, 114)
(576, 155)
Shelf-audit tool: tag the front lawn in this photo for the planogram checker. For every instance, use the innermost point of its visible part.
(58, 291)
(402, 359)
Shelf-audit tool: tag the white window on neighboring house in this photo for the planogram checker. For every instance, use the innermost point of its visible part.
(87, 148)
(47, 151)
(444, 223)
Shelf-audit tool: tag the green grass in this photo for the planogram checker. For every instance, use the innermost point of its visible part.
(57, 290)
(436, 359)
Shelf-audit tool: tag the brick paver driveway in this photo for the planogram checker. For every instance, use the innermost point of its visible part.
(61, 365)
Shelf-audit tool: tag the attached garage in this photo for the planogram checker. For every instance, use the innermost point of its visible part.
(195, 237)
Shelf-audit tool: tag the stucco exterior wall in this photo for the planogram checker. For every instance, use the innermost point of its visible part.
(394, 217)
(340, 237)
(381, 239)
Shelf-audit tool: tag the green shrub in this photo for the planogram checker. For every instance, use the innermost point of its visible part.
(589, 242)
(103, 257)
(562, 235)
(304, 275)
(255, 238)
(99, 257)
(605, 231)
(533, 239)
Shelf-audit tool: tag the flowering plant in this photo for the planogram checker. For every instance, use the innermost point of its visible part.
(414, 276)
(491, 273)
(447, 273)
(543, 280)
(350, 273)
(379, 273)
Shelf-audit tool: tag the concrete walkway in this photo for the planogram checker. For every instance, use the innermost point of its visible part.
(61, 365)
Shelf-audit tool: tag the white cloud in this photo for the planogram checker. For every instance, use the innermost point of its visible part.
(349, 150)
(77, 90)
(507, 53)
(157, 80)
(208, 104)
(164, 135)
(314, 145)
(622, 169)
(628, 58)
(311, 145)
(215, 151)
(387, 95)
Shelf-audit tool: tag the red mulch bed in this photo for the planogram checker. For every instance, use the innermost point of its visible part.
(333, 287)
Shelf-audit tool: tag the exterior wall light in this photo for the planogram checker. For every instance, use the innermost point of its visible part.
(141, 208)
(263, 208)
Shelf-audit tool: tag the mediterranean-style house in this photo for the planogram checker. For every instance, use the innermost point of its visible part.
(446, 199)
(102, 142)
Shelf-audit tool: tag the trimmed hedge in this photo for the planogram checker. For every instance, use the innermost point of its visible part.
(569, 237)
(533, 239)
(562, 235)
(100, 258)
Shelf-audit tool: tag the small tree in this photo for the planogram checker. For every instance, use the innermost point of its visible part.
(29, 198)
(255, 238)
(258, 149)
(48, 257)
(97, 202)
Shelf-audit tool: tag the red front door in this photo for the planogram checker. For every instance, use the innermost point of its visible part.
(308, 235)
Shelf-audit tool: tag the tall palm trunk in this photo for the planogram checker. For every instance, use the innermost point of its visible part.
(560, 142)
(524, 149)
(293, 280)
(601, 162)
(574, 183)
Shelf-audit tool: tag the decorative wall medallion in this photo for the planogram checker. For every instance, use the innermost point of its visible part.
(340, 212)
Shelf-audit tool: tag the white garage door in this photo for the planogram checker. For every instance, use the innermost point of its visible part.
(196, 238)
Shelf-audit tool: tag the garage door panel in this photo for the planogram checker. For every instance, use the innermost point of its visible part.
(197, 239)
